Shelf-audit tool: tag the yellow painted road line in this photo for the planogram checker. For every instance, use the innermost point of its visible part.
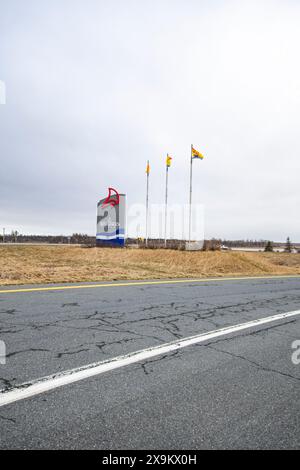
(145, 283)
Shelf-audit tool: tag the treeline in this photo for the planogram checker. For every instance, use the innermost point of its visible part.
(76, 238)
(85, 239)
(244, 243)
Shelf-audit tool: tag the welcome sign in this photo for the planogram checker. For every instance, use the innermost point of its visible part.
(111, 219)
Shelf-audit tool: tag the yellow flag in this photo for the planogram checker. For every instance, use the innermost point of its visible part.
(168, 161)
(148, 168)
(196, 154)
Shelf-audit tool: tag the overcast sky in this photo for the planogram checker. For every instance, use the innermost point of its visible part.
(94, 88)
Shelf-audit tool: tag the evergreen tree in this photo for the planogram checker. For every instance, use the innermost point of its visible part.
(288, 245)
(269, 246)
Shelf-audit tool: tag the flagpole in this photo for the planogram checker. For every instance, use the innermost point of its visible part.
(147, 203)
(166, 203)
(191, 188)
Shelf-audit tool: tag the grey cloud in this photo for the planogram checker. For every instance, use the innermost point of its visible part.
(96, 88)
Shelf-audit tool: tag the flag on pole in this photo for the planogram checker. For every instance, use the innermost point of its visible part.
(196, 154)
(147, 199)
(168, 161)
(168, 164)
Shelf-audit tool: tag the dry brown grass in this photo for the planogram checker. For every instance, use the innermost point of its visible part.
(57, 264)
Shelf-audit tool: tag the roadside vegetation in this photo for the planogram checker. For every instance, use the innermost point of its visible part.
(60, 264)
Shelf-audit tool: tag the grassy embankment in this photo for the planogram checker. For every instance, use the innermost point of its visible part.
(56, 264)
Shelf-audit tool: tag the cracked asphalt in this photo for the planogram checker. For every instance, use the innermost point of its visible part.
(239, 391)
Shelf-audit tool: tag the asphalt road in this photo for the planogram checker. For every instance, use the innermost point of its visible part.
(238, 391)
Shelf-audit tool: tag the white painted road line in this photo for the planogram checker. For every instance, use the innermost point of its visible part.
(60, 379)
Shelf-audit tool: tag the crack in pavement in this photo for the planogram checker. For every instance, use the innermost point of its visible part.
(11, 311)
(257, 332)
(8, 383)
(71, 304)
(10, 330)
(103, 344)
(8, 419)
(26, 350)
(144, 365)
(204, 314)
(59, 355)
(261, 367)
